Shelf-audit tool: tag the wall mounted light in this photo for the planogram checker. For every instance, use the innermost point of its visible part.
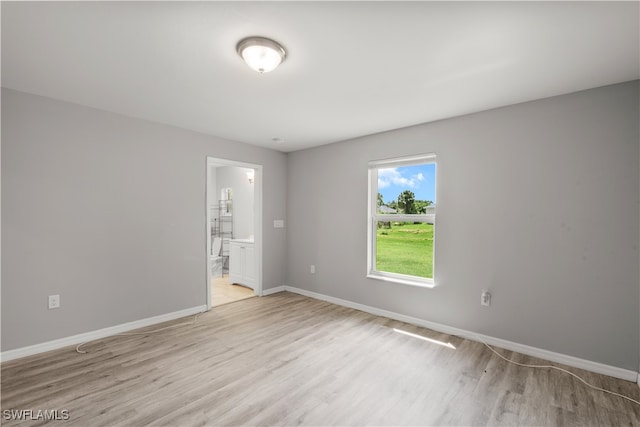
(250, 176)
(260, 53)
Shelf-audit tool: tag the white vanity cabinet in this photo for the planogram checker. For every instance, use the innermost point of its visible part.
(242, 263)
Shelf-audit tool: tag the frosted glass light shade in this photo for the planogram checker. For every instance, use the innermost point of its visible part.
(261, 54)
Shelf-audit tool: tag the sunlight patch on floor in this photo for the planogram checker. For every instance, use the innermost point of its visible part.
(431, 340)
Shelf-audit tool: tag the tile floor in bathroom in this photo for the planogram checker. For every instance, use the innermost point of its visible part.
(222, 292)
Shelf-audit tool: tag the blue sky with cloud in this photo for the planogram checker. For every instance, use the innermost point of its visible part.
(421, 179)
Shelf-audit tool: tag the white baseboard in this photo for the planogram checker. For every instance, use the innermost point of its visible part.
(270, 291)
(575, 362)
(94, 335)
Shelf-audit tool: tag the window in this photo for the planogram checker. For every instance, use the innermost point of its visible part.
(402, 214)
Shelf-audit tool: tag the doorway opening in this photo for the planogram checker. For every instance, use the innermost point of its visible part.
(234, 231)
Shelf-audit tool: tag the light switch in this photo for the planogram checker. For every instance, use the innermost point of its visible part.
(278, 223)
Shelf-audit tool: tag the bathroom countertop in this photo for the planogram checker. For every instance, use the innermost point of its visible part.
(242, 240)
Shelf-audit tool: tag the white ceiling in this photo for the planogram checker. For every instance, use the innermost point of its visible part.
(353, 68)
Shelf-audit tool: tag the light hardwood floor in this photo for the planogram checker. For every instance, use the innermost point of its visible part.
(290, 360)
(223, 292)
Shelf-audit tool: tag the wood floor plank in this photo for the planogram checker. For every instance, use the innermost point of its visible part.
(290, 360)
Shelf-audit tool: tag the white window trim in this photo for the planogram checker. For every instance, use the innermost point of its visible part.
(373, 217)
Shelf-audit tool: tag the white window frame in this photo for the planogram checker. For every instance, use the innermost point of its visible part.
(374, 217)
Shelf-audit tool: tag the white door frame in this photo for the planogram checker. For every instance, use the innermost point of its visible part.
(257, 218)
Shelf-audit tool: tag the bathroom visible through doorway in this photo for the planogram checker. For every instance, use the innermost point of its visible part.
(234, 219)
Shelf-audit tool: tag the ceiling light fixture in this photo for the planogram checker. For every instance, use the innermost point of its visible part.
(260, 53)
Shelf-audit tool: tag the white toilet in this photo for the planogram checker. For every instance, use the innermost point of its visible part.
(216, 260)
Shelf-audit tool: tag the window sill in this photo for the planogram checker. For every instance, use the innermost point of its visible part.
(409, 282)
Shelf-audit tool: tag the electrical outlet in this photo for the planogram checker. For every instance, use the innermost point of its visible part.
(485, 298)
(54, 301)
(312, 269)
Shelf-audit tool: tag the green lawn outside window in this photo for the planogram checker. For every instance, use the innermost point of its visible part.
(405, 248)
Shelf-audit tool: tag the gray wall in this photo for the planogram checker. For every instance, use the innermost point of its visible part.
(537, 202)
(243, 198)
(212, 194)
(109, 212)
